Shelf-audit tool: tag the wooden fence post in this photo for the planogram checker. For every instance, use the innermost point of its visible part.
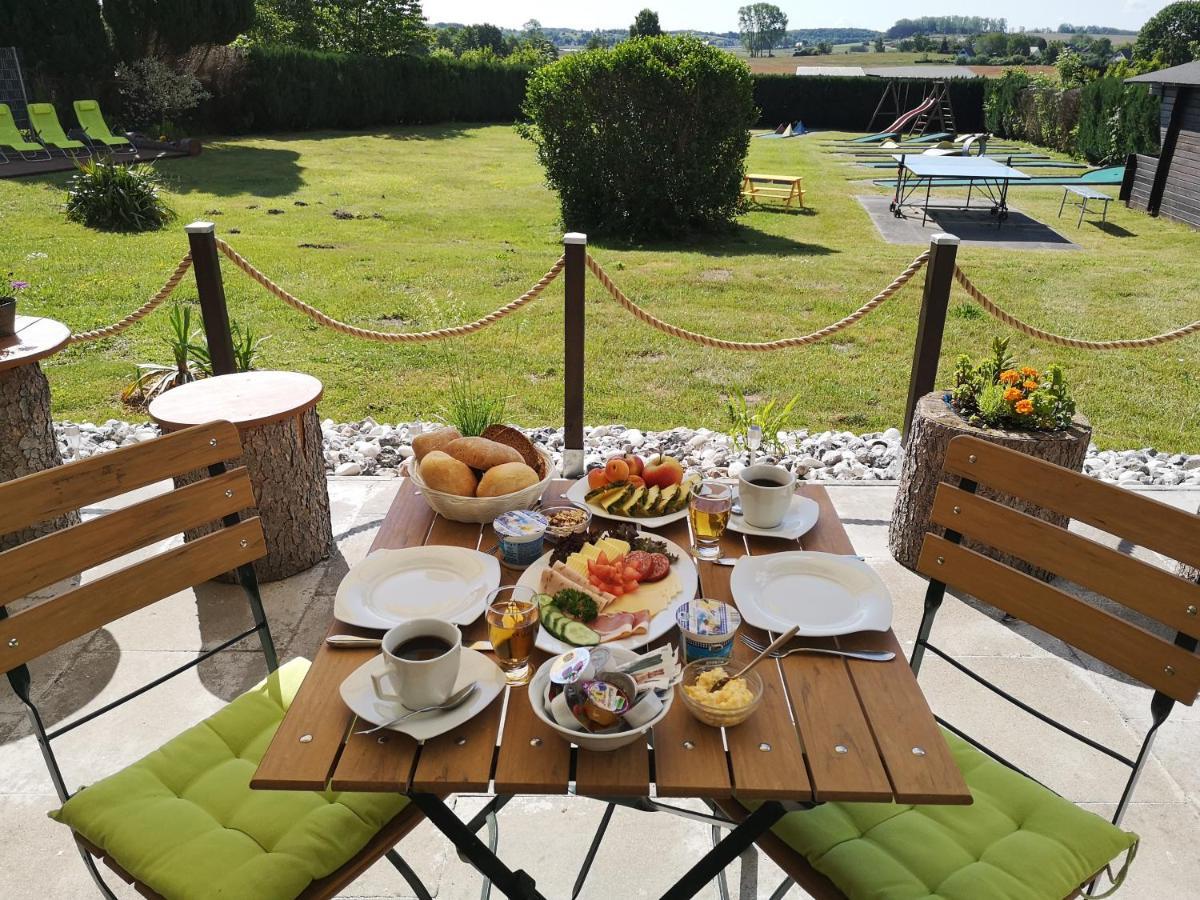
(574, 275)
(202, 240)
(935, 300)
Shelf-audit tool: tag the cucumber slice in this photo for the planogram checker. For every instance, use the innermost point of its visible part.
(578, 634)
(544, 600)
(552, 620)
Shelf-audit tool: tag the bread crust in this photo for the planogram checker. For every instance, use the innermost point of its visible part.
(506, 478)
(433, 440)
(511, 437)
(481, 453)
(442, 472)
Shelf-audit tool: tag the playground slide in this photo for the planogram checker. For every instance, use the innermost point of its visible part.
(900, 123)
(1111, 175)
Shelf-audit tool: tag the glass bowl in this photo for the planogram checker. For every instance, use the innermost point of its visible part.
(712, 713)
(555, 532)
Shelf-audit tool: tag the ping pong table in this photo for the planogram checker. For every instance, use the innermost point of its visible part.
(990, 177)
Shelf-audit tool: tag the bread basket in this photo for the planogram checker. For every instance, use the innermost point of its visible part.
(481, 509)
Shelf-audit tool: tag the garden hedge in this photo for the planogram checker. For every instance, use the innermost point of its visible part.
(846, 103)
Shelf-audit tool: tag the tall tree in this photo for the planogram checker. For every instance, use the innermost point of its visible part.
(168, 27)
(1172, 35)
(762, 26)
(645, 24)
(64, 38)
(373, 27)
(292, 23)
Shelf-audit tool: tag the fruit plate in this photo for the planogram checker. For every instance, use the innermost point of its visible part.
(392, 586)
(579, 490)
(823, 594)
(683, 569)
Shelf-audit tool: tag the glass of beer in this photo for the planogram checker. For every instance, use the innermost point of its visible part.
(512, 620)
(708, 514)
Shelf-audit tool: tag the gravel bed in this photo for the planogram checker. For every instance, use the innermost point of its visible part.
(377, 449)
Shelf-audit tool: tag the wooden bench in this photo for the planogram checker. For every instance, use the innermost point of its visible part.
(1084, 194)
(784, 188)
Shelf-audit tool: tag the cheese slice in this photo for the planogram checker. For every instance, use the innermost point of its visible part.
(653, 597)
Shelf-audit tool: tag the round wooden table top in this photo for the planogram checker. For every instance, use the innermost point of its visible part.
(36, 338)
(246, 399)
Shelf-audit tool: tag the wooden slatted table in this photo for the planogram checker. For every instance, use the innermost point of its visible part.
(828, 729)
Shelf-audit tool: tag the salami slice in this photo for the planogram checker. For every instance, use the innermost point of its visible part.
(660, 566)
(642, 561)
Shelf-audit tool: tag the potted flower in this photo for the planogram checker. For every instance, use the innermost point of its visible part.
(998, 400)
(8, 307)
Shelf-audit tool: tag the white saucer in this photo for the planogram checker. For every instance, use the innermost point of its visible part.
(359, 694)
(801, 516)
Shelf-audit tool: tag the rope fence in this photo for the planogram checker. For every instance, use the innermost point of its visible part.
(783, 343)
(142, 311)
(1025, 328)
(390, 337)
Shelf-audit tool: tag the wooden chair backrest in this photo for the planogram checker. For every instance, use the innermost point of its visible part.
(1156, 661)
(47, 560)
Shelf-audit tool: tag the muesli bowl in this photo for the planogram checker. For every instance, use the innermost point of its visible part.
(728, 707)
(539, 699)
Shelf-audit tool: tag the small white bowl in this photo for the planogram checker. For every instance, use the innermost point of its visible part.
(539, 687)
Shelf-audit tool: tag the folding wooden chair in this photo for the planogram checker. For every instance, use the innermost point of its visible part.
(182, 823)
(826, 850)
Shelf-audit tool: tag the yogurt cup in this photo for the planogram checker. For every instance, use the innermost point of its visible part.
(708, 628)
(521, 533)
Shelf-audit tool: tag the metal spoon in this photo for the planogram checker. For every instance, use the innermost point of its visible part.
(456, 700)
(774, 645)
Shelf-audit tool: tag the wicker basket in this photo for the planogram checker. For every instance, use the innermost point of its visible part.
(482, 509)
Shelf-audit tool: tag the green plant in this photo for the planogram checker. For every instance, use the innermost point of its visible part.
(153, 94)
(646, 140)
(768, 417)
(994, 393)
(110, 196)
(471, 409)
(152, 379)
(246, 346)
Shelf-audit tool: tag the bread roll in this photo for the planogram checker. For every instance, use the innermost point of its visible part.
(433, 440)
(506, 478)
(446, 474)
(480, 453)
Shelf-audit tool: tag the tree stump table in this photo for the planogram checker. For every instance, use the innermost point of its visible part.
(276, 416)
(934, 425)
(27, 442)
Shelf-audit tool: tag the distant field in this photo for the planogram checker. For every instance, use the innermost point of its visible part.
(1118, 40)
(783, 61)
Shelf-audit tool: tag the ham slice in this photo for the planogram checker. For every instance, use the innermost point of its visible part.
(557, 579)
(614, 626)
(602, 598)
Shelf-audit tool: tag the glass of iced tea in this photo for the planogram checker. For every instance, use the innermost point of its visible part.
(512, 620)
(708, 514)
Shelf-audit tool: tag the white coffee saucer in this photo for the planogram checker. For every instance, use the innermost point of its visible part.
(359, 694)
(800, 517)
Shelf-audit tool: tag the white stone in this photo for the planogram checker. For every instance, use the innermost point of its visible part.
(348, 468)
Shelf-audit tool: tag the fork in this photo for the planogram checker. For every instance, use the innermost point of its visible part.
(869, 655)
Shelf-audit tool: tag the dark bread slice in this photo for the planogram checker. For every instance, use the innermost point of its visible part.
(503, 434)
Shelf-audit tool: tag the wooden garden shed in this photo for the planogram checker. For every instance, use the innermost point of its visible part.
(1169, 185)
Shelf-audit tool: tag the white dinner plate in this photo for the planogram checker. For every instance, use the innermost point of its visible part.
(822, 593)
(683, 569)
(580, 489)
(393, 586)
(801, 516)
(358, 693)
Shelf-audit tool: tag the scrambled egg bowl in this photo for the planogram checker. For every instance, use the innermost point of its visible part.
(734, 695)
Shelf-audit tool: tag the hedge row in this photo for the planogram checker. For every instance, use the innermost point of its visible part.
(847, 103)
(289, 89)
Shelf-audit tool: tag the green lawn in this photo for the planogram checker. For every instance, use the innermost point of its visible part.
(467, 225)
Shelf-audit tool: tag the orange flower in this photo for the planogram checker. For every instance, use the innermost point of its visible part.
(1025, 407)
(1031, 385)
(1029, 372)
(1010, 376)
(1012, 395)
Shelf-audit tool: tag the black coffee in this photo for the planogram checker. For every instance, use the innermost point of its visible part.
(765, 482)
(422, 647)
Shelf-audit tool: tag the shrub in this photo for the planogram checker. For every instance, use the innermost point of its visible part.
(996, 394)
(153, 94)
(648, 139)
(110, 196)
(1117, 119)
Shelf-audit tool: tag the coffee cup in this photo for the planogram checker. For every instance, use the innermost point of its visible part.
(421, 658)
(765, 493)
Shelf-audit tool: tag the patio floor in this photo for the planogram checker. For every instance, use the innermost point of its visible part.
(547, 837)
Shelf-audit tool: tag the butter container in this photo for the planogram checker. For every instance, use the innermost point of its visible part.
(521, 533)
(708, 628)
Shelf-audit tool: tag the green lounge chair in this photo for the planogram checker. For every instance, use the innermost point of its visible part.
(12, 139)
(92, 123)
(44, 122)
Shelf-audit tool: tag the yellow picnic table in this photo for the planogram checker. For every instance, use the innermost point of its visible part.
(785, 188)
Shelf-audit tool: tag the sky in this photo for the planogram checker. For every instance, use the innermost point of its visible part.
(711, 15)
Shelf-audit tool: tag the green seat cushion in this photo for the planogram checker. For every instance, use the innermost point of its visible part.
(185, 822)
(1017, 841)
